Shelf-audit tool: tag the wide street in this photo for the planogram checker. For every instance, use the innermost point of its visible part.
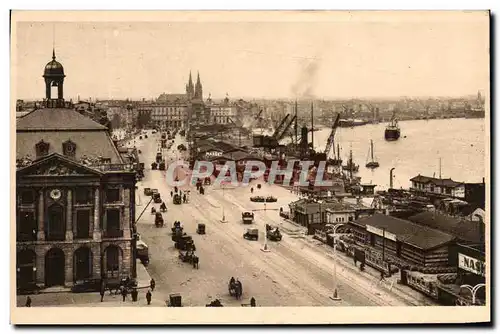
(296, 272)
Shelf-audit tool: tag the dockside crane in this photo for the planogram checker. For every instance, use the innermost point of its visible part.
(331, 139)
(281, 134)
(280, 126)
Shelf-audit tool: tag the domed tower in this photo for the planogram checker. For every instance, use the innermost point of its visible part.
(54, 77)
(198, 90)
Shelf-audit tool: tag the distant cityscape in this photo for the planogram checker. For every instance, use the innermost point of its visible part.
(171, 110)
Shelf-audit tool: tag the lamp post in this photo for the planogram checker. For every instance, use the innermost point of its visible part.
(265, 248)
(335, 291)
(223, 211)
(473, 290)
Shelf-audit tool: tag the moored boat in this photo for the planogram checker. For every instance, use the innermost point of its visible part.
(372, 163)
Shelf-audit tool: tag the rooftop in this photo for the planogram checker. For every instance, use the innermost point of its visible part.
(466, 230)
(438, 182)
(422, 237)
(56, 119)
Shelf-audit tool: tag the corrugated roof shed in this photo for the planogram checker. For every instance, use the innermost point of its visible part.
(466, 230)
(422, 237)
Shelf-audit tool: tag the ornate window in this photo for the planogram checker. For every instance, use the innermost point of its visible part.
(42, 149)
(69, 148)
(83, 195)
(27, 197)
(112, 195)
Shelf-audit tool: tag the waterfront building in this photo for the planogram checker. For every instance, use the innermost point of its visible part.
(75, 196)
(222, 113)
(472, 193)
(389, 242)
(471, 271)
(169, 115)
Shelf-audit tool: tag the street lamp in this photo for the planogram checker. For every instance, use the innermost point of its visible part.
(473, 290)
(335, 291)
(265, 248)
(223, 212)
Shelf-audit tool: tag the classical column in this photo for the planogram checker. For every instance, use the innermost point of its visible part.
(69, 216)
(125, 221)
(40, 267)
(41, 216)
(97, 212)
(68, 267)
(96, 261)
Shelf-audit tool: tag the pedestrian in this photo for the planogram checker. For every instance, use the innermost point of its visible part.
(28, 301)
(124, 293)
(381, 276)
(148, 297)
(184, 198)
(134, 295)
(251, 190)
(102, 293)
(252, 302)
(152, 284)
(171, 194)
(355, 261)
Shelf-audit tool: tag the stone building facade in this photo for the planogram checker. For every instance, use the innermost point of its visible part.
(75, 197)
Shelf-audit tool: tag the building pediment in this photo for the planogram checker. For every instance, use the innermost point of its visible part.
(56, 165)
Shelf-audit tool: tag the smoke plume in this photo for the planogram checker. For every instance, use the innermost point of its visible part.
(307, 80)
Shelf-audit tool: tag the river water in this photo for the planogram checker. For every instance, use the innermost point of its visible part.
(460, 143)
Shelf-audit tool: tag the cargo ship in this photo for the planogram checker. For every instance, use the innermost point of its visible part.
(349, 123)
(392, 131)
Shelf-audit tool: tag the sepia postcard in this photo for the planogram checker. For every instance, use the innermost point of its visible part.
(299, 167)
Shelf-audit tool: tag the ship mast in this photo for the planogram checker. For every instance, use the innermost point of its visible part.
(312, 126)
(440, 168)
(372, 148)
(350, 163)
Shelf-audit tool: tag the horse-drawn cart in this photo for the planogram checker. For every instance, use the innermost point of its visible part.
(159, 222)
(235, 289)
(190, 257)
(156, 196)
(177, 199)
(184, 242)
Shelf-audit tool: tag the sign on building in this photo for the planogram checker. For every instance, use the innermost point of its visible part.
(213, 154)
(471, 264)
(380, 232)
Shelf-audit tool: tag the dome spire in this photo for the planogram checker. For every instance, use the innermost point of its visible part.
(53, 53)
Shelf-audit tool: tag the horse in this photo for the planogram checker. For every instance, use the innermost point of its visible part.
(195, 260)
(163, 207)
(239, 289)
(153, 211)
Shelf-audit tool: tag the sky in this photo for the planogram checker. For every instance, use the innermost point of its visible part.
(343, 58)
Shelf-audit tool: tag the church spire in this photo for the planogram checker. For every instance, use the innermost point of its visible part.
(190, 80)
(198, 93)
